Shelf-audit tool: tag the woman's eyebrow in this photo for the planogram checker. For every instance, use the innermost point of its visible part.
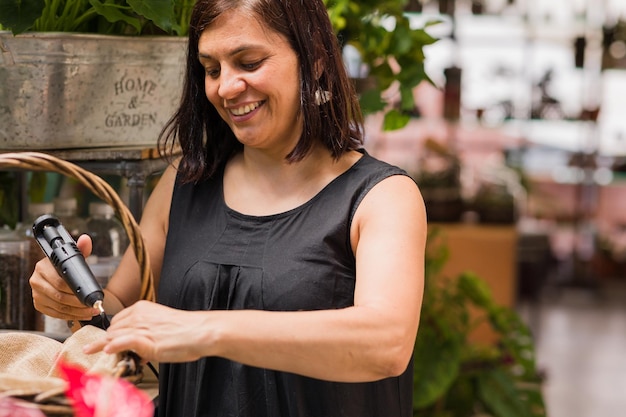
(235, 51)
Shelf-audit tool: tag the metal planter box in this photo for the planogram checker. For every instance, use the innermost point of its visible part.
(76, 91)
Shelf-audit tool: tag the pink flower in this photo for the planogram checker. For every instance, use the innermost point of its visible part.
(10, 407)
(104, 396)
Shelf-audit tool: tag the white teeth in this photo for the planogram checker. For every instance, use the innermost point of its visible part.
(245, 109)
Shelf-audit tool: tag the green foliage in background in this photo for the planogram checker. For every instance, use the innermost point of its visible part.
(455, 377)
(119, 17)
(393, 51)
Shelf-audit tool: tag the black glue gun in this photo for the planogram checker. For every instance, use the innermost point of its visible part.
(59, 246)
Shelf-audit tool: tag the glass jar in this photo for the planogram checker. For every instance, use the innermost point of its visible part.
(33, 319)
(107, 233)
(102, 268)
(66, 209)
(15, 294)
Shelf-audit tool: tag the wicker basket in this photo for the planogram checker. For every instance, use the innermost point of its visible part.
(35, 161)
(128, 368)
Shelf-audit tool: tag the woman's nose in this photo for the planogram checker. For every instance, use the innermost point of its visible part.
(231, 85)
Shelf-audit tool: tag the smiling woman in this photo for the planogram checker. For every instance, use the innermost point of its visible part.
(289, 262)
(317, 53)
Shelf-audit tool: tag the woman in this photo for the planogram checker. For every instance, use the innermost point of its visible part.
(288, 262)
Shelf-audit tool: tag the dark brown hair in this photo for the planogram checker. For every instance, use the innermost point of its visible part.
(207, 142)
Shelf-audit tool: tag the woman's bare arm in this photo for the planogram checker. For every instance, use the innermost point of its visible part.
(124, 287)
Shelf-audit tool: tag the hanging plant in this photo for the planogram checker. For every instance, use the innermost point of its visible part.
(390, 47)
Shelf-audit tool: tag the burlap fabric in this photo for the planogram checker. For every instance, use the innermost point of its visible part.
(29, 372)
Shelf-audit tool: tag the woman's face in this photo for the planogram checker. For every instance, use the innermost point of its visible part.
(252, 79)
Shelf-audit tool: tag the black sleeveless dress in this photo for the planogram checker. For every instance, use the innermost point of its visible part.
(219, 259)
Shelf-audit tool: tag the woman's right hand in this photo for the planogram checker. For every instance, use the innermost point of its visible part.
(51, 294)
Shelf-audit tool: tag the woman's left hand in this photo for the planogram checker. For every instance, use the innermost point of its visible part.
(153, 331)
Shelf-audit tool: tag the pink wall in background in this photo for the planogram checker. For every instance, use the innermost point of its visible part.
(480, 147)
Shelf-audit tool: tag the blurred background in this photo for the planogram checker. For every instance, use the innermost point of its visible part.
(519, 148)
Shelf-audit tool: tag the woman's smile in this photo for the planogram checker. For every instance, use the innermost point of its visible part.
(246, 109)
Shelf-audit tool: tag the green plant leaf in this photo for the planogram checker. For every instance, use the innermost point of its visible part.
(182, 15)
(20, 15)
(161, 12)
(412, 73)
(402, 39)
(437, 254)
(532, 394)
(497, 389)
(371, 101)
(477, 290)
(383, 74)
(407, 101)
(114, 13)
(422, 37)
(436, 366)
(395, 120)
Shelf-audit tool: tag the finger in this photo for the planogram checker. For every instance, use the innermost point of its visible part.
(117, 321)
(44, 289)
(85, 245)
(46, 293)
(54, 302)
(141, 345)
(61, 311)
(45, 277)
(134, 314)
(110, 335)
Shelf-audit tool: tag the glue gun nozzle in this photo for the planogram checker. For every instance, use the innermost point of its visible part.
(98, 305)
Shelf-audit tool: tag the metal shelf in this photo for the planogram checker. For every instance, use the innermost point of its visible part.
(135, 164)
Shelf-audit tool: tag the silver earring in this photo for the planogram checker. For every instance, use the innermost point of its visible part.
(322, 97)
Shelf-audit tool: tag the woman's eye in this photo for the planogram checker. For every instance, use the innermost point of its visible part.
(212, 72)
(251, 66)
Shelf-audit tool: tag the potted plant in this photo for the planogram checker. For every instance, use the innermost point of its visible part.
(456, 377)
(392, 50)
(439, 179)
(118, 17)
(93, 73)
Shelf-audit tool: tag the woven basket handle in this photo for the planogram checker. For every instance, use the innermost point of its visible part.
(36, 161)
